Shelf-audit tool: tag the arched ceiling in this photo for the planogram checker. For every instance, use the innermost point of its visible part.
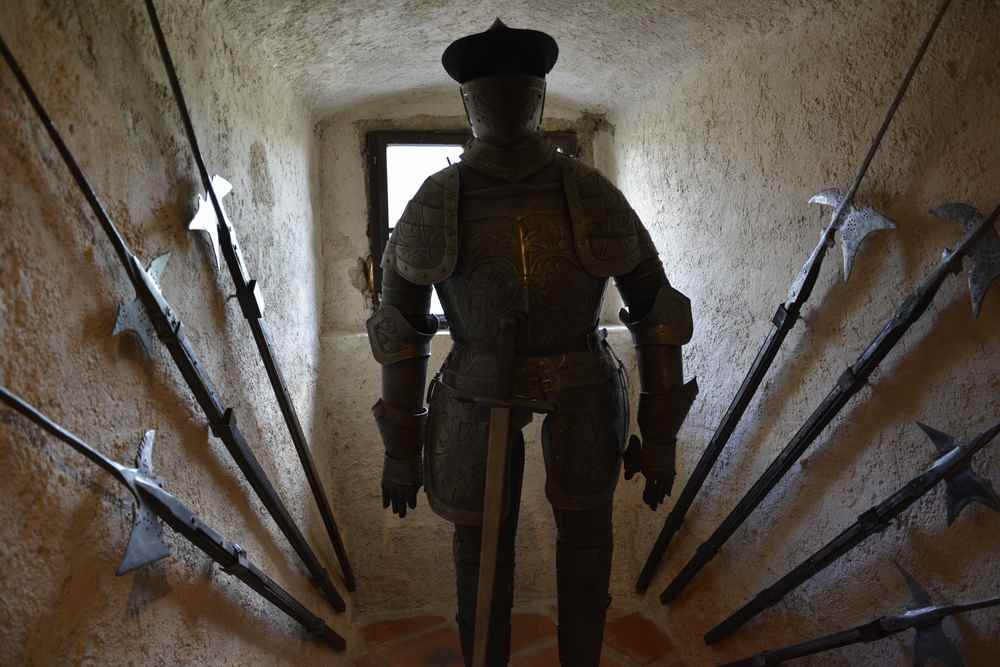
(338, 53)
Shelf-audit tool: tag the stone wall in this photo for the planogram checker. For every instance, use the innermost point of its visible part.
(63, 522)
(720, 162)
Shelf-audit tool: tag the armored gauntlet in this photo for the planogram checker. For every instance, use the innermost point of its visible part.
(659, 327)
(403, 437)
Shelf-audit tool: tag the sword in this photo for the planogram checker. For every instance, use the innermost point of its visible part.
(170, 331)
(248, 293)
(854, 225)
(153, 503)
(982, 246)
(497, 460)
(952, 466)
(922, 615)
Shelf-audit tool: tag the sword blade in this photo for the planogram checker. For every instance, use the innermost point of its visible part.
(497, 457)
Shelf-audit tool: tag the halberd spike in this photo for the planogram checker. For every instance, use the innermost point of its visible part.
(930, 640)
(985, 253)
(943, 442)
(855, 225)
(204, 218)
(132, 317)
(964, 486)
(145, 544)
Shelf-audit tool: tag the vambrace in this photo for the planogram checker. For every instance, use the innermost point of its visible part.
(659, 326)
(661, 415)
(400, 334)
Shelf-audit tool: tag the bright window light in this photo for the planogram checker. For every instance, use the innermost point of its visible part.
(407, 165)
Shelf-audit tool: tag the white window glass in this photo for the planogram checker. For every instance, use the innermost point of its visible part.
(406, 166)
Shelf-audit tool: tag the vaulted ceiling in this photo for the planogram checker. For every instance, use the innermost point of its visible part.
(338, 53)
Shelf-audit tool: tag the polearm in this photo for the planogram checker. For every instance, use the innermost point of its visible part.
(170, 331)
(878, 629)
(922, 615)
(964, 487)
(982, 245)
(146, 543)
(854, 226)
(251, 303)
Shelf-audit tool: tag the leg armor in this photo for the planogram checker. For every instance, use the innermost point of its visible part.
(583, 572)
(466, 551)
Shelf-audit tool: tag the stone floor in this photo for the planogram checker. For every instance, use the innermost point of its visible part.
(432, 641)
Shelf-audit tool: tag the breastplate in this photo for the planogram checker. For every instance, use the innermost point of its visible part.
(516, 253)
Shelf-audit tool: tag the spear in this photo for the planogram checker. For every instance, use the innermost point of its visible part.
(170, 331)
(153, 503)
(921, 615)
(854, 225)
(248, 293)
(952, 466)
(982, 246)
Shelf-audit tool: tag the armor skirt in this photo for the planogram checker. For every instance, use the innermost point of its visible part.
(582, 439)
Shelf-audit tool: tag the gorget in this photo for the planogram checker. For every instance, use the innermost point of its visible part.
(512, 164)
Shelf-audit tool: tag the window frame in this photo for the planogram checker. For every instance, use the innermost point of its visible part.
(376, 143)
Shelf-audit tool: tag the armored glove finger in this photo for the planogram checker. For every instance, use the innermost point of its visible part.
(403, 437)
(401, 480)
(656, 463)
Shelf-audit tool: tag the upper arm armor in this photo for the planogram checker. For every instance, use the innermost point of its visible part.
(423, 247)
(668, 321)
(610, 239)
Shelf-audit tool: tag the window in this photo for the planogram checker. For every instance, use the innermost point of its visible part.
(398, 163)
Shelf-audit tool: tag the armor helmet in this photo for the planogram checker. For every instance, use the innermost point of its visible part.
(502, 72)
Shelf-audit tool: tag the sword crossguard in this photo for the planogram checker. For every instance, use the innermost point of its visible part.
(541, 407)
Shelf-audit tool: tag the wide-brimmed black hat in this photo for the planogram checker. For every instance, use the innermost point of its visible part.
(500, 51)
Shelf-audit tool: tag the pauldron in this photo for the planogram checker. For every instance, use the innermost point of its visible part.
(668, 322)
(423, 247)
(610, 238)
(393, 338)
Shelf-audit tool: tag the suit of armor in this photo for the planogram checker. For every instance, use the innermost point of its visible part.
(517, 227)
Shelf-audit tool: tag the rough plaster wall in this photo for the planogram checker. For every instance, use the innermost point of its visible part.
(64, 523)
(408, 562)
(608, 51)
(720, 163)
